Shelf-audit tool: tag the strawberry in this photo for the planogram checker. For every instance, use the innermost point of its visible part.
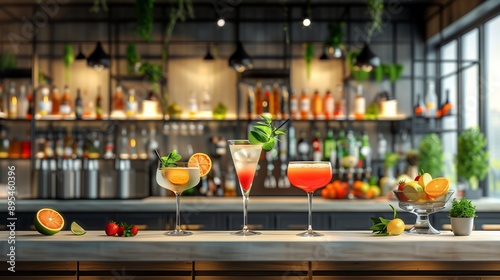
(121, 229)
(111, 228)
(134, 230)
(417, 177)
(401, 185)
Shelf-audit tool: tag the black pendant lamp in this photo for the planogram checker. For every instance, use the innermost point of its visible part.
(80, 55)
(240, 60)
(366, 60)
(98, 59)
(209, 55)
(324, 56)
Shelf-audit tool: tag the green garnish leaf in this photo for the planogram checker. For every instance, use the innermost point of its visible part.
(379, 226)
(170, 159)
(266, 133)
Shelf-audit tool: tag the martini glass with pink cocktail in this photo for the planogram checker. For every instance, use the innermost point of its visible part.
(309, 176)
(245, 158)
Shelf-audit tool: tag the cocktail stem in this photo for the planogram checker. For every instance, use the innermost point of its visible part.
(245, 210)
(309, 202)
(177, 214)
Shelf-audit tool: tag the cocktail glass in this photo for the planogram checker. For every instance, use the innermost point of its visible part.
(245, 158)
(309, 176)
(178, 178)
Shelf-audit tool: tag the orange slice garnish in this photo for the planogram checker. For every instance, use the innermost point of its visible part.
(176, 176)
(204, 162)
(437, 187)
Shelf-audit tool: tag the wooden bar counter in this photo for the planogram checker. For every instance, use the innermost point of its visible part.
(271, 255)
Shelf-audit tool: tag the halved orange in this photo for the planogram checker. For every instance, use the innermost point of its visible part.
(176, 176)
(48, 221)
(204, 162)
(437, 187)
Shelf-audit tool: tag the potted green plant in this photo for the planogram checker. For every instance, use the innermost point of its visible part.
(472, 160)
(430, 155)
(462, 214)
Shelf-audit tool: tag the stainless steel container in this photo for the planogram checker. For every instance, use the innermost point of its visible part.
(65, 187)
(90, 176)
(42, 170)
(125, 177)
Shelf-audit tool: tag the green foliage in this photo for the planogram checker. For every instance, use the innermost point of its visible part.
(176, 14)
(375, 9)
(308, 56)
(266, 133)
(335, 35)
(358, 75)
(7, 60)
(132, 57)
(219, 112)
(462, 208)
(98, 5)
(153, 73)
(144, 27)
(392, 71)
(430, 155)
(380, 224)
(390, 160)
(170, 159)
(69, 58)
(472, 158)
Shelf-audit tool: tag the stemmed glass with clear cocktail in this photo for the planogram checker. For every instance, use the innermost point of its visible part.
(245, 158)
(309, 176)
(178, 177)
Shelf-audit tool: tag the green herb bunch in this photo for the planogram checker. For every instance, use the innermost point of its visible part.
(69, 57)
(266, 133)
(132, 57)
(430, 155)
(472, 158)
(153, 73)
(170, 159)
(463, 208)
(380, 224)
(144, 26)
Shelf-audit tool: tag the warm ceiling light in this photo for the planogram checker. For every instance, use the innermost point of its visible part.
(240, 60)
(98, 59)
(366, 60)
(221, 22)
(306, 22)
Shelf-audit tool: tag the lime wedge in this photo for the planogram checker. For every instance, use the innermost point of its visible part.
(77, 229)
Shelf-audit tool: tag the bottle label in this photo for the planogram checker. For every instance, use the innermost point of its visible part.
(294, 106)
(65, 109)
(329, 106)
(305, 105)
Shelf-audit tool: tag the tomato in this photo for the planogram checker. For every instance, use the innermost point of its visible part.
(111, 228)
(395, 227)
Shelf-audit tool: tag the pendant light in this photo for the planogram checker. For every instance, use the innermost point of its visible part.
(324, 56)
(366, 60)
(209, 55)
(98, 59)
(80, 55)
(240, 60)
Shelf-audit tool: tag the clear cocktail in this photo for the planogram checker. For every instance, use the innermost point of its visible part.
(178, 178)
(309, 176)
(245, 158)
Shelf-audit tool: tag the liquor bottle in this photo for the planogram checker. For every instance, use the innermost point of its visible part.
(142, 146)
(78, 144)
(68, 145)
(118, 103)
(284, 103)
(365, 151)
(152, 144)
(328, 105)
(45, 105)
(330, 148)
(305, 105)
(250, 103)
(276, 105)
(98, 104)
(78, 105)
(94, 145)
(258, 99)
(419, 109)
(316, 105)
(193, 105)
(4, 143)
(55, 98)
(342, 146)
(340, 102)
(317, 146)
(292, 142)
(303, 147)
(59, 144)
(13, 109)
(39, 144)
(205, 101)
(266, 100)
(109, 148)
(359, 104)
(294, 105)
(352, 151)
(22, 103)
(49, 145)
(2, 99)
(65, 108)
(230, 182)
(132, 149)
(381, 146)
(31, 103)
(15, 148)
(123, 147)
(431, 101)
(131, 106)
(446, 108)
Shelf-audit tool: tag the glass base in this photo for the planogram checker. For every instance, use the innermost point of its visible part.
(245, 233)
(310, 234)
(423, 230)
(178, 233)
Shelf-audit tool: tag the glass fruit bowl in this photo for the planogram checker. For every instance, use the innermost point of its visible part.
(422, 208)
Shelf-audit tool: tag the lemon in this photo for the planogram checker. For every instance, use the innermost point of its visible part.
(77, 229)
(395, 227)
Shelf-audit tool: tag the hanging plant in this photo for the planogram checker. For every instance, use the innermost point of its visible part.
(308, 56)
(393, 71)
(153, 73)
(7, 60)
(358, 75)
(176, 14)
(375, 9)
(144, 27)
(98, 5)
(69, 57)
(335, 36)
(133, 57)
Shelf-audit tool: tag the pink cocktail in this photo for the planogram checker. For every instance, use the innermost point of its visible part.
(309, 176)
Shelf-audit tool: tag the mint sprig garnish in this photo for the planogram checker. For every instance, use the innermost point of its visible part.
(266, 133)
(380, 224)
(170, 159)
